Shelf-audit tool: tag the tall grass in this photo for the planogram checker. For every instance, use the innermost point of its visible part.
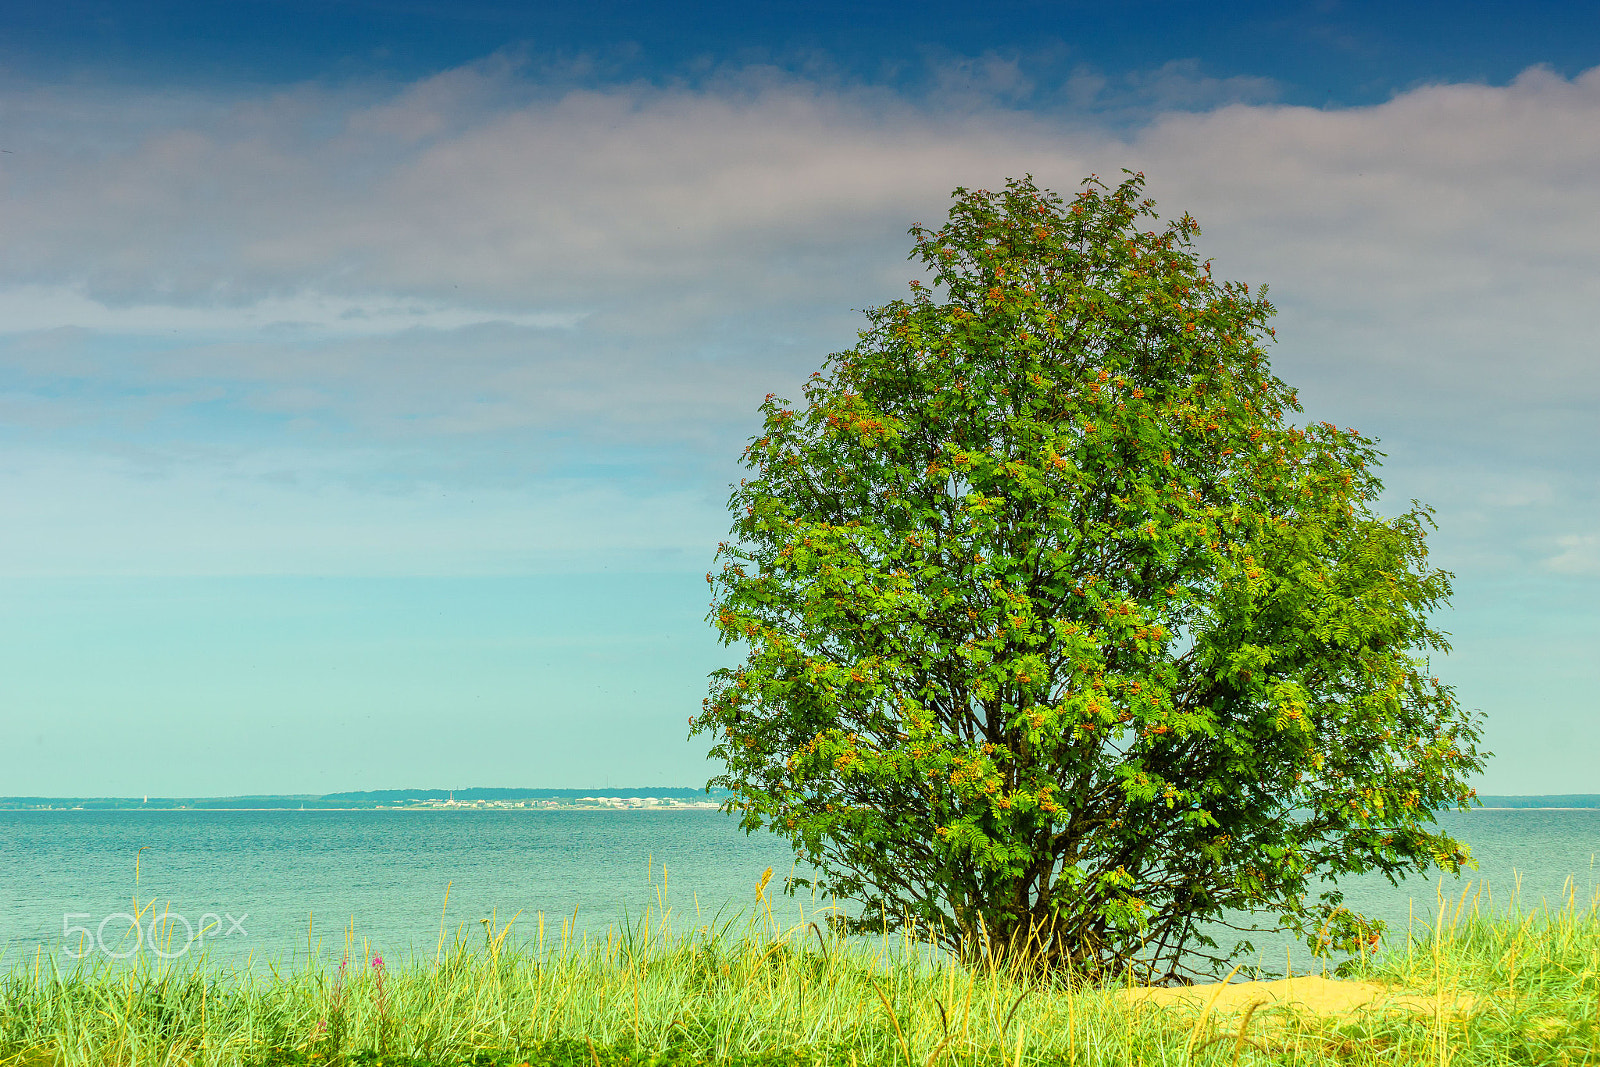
(742, 989)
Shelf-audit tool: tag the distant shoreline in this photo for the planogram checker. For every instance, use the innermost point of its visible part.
(398, 807)
(1535, 807)
(659, 798)
(480, 799)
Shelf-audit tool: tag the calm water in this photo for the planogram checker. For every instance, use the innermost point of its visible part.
(261, 879)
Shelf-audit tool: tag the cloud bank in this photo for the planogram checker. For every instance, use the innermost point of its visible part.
(344, 297)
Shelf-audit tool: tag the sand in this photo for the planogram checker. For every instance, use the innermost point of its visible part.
(1310, 995)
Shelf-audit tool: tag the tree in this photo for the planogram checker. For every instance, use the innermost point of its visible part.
(1061, 635)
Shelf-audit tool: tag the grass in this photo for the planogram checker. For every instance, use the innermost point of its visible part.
(744, 993)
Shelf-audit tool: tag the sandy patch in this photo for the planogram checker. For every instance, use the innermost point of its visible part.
(1310, 995)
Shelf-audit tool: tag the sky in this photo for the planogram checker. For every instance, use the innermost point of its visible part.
(372, 375)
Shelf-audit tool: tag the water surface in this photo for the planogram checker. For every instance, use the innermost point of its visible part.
(270, 884)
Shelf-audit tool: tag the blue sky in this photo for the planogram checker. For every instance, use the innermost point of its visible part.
(371, 374)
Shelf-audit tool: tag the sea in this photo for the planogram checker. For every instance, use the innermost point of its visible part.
(284, 889)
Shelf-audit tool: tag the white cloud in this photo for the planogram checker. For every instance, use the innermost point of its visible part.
(590, 195)
(482, 383)
(1579, 556)
(473, 261)
(1178, 85)
(1445, 211)
(32, 308)
(1434, 242)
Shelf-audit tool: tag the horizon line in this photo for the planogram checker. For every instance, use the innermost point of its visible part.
(602, 791)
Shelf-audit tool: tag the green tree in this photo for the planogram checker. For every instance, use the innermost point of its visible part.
(1060, 633)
